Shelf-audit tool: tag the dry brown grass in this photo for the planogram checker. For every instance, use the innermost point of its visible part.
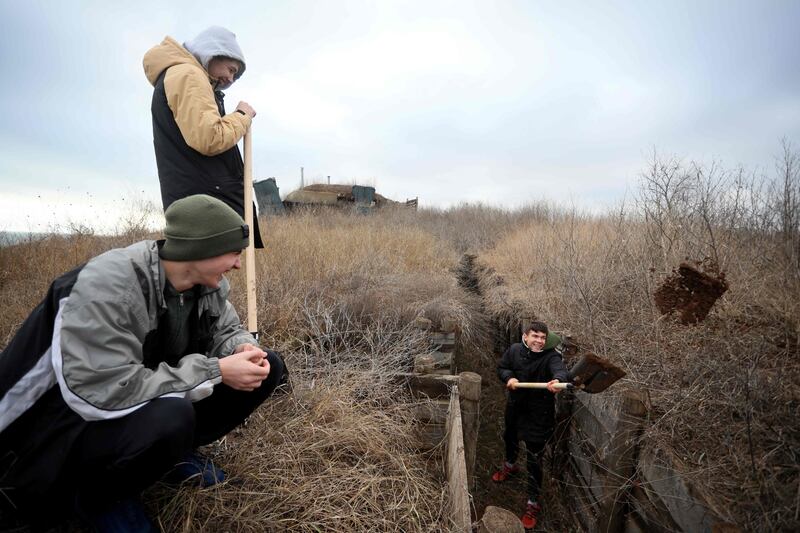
(337, 454)
(368, 266)
(337, 295)
(724, 392)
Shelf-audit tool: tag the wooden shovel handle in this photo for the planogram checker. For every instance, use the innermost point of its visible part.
(559, 386)
(249, 253)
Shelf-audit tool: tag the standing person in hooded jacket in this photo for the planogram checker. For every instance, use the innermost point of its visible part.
(530, 413)
(195, 140)
(129, 363)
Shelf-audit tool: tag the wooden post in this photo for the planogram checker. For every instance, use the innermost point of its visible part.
(458, 490)
(250, 253)
(620, 462)
(470, 391)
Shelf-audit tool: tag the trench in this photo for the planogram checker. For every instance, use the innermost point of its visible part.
(490, 450)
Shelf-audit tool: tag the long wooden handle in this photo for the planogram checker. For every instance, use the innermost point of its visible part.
(560, 386)
(250, 253)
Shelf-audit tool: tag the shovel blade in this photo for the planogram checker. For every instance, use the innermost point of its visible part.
(594, 374)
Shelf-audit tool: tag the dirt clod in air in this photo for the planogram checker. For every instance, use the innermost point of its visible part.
(691, 291)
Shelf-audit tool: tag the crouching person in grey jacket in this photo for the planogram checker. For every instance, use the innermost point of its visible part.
(129, 363)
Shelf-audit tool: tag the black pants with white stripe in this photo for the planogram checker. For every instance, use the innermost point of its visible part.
(53, 458)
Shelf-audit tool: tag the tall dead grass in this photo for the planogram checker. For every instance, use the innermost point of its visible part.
(337, 292)
(339, 453)
(368, 266)
(29, 266)
(337, 295)
(724, 392)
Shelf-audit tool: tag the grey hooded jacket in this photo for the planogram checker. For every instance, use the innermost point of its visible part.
(216, 41)
(99, 335)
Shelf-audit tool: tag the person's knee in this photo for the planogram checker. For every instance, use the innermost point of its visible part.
(277, 369)
(173, 421)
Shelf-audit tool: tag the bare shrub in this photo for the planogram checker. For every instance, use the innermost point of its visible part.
(724, 392)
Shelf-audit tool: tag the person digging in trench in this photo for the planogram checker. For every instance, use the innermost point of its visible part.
(131, 362)
(530, 413)
(195, 140)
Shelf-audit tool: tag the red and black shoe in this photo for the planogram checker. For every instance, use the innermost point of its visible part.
(530, 517)
(503, 474)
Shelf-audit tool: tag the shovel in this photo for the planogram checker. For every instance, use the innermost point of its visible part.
(249, 253)
(590, 374)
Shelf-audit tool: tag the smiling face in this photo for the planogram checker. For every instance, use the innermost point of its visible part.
(535, 340)
(223, 70)
(209, 272)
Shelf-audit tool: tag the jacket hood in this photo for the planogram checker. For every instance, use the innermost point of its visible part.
(216, 41)
(552, 341)
(162, 56)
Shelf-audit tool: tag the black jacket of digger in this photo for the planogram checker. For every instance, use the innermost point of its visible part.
(184, 171)
(533, 410)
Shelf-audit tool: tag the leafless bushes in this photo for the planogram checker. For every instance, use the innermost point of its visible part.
(724, 392)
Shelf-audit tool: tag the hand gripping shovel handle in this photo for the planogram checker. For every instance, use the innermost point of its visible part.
(559, 386)
(591, 374)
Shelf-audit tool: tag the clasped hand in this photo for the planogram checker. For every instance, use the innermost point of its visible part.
(245, 368)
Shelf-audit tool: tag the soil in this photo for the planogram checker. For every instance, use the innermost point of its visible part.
(691, 292)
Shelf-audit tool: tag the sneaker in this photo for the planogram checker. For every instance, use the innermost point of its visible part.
(197, 468)
(125, 516)
(503, 474)
(529, 518)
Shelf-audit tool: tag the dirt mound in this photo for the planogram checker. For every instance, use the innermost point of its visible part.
(690, 291)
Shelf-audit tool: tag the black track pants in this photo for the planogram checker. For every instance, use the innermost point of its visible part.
(126, 456)
(534, 455)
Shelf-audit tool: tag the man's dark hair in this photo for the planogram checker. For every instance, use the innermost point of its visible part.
(541, 327)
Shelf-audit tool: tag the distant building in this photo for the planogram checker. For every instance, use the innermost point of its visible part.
(357, 197)
(268, 197)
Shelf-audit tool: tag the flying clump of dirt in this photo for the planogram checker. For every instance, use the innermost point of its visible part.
(691, 291)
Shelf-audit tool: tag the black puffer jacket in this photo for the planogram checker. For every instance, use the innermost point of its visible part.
(532, 409)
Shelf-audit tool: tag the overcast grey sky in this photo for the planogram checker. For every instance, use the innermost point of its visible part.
(502, 102)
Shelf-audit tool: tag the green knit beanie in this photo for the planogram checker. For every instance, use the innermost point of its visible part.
(199, 227)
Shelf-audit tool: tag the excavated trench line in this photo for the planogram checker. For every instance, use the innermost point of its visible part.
(511, 495)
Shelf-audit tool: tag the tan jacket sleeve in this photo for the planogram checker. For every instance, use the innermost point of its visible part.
(191, 99)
